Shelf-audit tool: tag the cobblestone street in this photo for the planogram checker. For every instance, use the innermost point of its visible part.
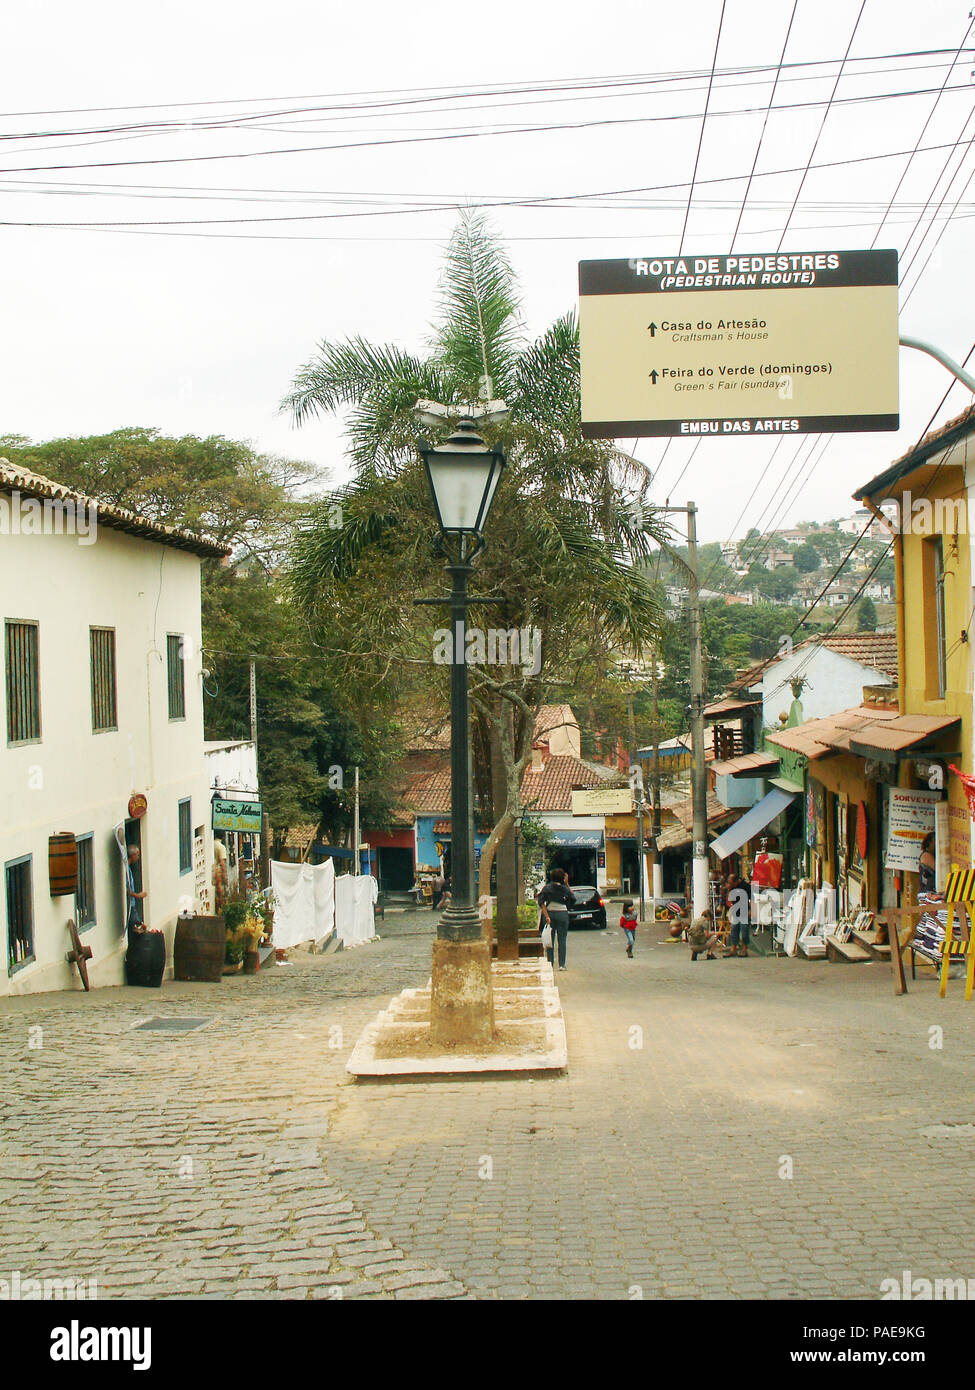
(239, 1159)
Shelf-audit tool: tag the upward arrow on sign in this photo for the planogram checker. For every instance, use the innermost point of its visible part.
(653, 376)
(653, 329)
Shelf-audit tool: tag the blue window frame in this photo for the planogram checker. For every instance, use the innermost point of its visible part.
(185, 837)
(19, 889)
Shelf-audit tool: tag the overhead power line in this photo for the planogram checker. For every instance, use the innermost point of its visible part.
(829, 104)
(453, 92)
(920, 137)
(447, 136)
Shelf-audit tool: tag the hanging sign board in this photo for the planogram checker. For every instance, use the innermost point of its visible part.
(237, 815)
(744, 345)
(602, 801)
(911, 818)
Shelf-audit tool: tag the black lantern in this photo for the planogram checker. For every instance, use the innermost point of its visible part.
(463, 474)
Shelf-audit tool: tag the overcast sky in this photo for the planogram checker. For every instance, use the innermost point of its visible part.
(200, 328)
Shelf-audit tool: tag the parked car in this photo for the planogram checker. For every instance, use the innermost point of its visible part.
(590, 909)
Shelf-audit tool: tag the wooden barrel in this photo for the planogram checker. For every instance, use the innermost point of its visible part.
(62, 863)
(145, 960)
(199, 949)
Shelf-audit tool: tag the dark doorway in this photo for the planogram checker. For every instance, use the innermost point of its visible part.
(579, 864)
(395, 869)
(133, 836)
(629, 867)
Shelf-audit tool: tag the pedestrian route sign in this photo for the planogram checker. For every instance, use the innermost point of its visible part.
(731, 346)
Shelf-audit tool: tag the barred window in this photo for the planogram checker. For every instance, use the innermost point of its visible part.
(185, 837)
(175, 676)
(104, 715)
(22, 683)
(85, 897)
(20, 912)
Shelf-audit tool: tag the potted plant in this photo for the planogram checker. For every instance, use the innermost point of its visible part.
(235, 917)
(252, 931)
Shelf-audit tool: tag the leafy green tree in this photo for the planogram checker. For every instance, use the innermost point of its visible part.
(215, 486)
(867, 615)
(806, 558)
(562, 537)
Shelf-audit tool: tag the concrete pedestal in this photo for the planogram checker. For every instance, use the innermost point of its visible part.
(462, 998)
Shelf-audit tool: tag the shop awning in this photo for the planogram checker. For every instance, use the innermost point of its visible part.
(728, 709)
(754, 820)
(746, 765)
(883, 743)
(578, 839)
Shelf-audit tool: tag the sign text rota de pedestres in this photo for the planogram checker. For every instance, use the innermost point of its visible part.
(243, 816)
(778, 343)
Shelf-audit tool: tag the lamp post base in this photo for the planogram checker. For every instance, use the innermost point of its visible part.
(461, 998)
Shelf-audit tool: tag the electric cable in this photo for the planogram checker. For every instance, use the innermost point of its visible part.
(934, 108)
(819, 133)
(463, 135)
(761, 137)
(704, 121)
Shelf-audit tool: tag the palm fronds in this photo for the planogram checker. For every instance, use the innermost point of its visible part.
(478, 331)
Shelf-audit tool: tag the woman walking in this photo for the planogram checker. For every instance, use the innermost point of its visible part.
(555, 900)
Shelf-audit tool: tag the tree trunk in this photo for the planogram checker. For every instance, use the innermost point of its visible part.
(506, 929)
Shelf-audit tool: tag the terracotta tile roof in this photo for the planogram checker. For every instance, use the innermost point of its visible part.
(724, 709)
(301, 836)
(931, 444)
(678, 833)
(751, 675)
(428, 793)
(817, 737)
(745, 765)
(551, 789)
(904, 731)
(875, 649)
(551, 717)
(22, 480)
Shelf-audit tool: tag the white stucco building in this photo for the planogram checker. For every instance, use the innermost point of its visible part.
(103, 703)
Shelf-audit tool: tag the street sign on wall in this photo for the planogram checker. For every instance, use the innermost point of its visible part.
(731, 346)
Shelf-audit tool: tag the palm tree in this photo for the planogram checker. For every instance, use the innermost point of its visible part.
(566, 545)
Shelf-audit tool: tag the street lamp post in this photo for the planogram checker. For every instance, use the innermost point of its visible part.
(463, 474)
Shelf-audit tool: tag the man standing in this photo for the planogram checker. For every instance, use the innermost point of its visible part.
(134, 897)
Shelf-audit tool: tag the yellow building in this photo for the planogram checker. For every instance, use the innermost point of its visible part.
(934, 488)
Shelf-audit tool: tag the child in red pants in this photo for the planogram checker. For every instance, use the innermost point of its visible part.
(628, 924)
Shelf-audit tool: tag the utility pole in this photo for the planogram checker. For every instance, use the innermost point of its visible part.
(355, 827)
(699, 782)
(265, 859)
(637, 792)
(701, 890)
(657, 884)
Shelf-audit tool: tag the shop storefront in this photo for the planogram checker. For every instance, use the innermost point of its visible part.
(578, 851)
